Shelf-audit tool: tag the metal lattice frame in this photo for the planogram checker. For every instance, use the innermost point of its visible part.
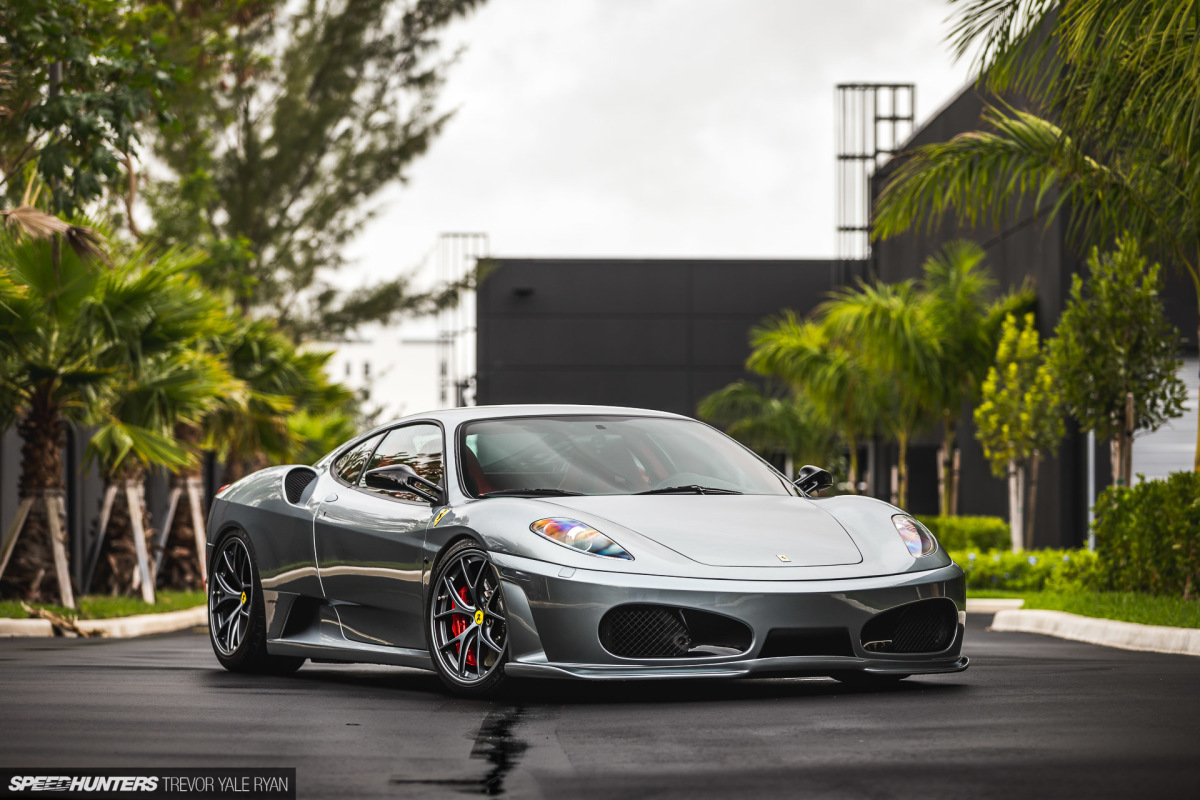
(874, 120)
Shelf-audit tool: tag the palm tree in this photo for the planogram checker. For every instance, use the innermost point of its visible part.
(956, 287)
(769, 424)
(846, 394)
(170, 381)
(65, 347)
(1123, 79)
(315, 433)
(889, 330)
(251, 431)
(160, 392)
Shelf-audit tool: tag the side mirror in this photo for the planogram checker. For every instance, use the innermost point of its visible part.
(402, 478)
(811, 480)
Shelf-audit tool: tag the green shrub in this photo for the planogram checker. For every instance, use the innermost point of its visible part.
(1032, 570)
(1148, 536)
(964, 533)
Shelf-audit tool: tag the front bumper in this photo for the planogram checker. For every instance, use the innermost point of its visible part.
(554, 618)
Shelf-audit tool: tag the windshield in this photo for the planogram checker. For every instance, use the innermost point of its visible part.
(597, 455)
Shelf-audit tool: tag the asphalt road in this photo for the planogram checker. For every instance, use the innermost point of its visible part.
(1032, 717)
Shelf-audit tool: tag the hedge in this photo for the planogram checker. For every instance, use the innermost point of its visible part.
(1148, 536)
(963, 533)
(1032, 570)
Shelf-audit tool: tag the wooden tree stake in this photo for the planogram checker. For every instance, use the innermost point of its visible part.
(14, 530)
(133, 499)
(165, 534)
(54, 507)
(195, 490)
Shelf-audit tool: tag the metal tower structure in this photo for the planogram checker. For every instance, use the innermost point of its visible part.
(457, 256)
(873, 121)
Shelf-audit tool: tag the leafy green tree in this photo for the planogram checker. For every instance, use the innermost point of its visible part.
(770, 425)
(1123, 80)
(1112, 341)
(78, 77)
(1019, 416)
(299, 115)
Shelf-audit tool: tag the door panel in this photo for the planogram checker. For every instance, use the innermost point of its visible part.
(370, 544)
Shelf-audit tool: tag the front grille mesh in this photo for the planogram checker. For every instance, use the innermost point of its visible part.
(637, 631)
(295, 482)
(923, 629)
(928, 626)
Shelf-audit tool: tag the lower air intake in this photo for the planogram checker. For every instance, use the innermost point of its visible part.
(637, 631)
(926, 626)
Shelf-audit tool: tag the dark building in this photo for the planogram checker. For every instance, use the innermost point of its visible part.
(1026, 247)
(656, 333)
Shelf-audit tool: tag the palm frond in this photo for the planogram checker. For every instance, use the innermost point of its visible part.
(1007, 39)
(1023, 165)
(30, 221)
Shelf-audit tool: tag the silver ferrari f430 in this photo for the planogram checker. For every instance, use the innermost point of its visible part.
(580, 542)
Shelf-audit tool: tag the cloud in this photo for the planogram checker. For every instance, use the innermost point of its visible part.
(652, 127)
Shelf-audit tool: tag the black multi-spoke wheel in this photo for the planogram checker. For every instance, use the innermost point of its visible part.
(468, 631)
(229, 596)
(236, 619)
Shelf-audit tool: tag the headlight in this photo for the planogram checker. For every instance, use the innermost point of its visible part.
(572, 533)
(917, 538)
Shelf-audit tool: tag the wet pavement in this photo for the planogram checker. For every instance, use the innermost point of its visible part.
(1033, 717)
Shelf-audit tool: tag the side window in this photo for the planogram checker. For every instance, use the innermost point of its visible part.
(419, 446)
(350, 466)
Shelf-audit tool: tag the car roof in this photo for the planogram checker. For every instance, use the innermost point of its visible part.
(456, 416)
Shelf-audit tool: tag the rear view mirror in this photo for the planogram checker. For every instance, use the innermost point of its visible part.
(811, 480)
(402, 478)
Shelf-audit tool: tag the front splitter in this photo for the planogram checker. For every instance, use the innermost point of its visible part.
(760, 667)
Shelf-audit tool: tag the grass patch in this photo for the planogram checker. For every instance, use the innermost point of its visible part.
(994, 594)
(106, 607)
(1174, 612)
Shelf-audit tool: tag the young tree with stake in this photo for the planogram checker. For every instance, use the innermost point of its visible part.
(1019, 416)
(1112, 343)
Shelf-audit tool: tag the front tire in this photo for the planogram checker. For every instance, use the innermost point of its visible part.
(466, 621)
(237, 620)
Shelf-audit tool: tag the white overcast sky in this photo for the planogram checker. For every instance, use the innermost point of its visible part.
(651, 127)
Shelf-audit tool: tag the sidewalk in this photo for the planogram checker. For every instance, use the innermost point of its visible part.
(1107, 632)
(116, 628)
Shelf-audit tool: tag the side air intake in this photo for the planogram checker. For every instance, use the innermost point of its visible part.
(649, 631)
(295, 482)
(926, 626)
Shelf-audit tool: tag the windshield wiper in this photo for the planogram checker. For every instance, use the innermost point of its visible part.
(519, 492)
(691, 488)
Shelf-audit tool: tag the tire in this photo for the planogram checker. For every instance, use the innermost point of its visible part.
(237, 620)
(466, 621)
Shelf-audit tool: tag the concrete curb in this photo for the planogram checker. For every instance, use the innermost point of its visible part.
(1107, 632)
(992, 605)
(118, 628)
(25, 627)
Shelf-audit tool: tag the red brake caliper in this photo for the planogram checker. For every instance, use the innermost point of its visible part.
(458, 624)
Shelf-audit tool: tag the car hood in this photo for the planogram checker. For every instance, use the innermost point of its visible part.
(723, 530)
